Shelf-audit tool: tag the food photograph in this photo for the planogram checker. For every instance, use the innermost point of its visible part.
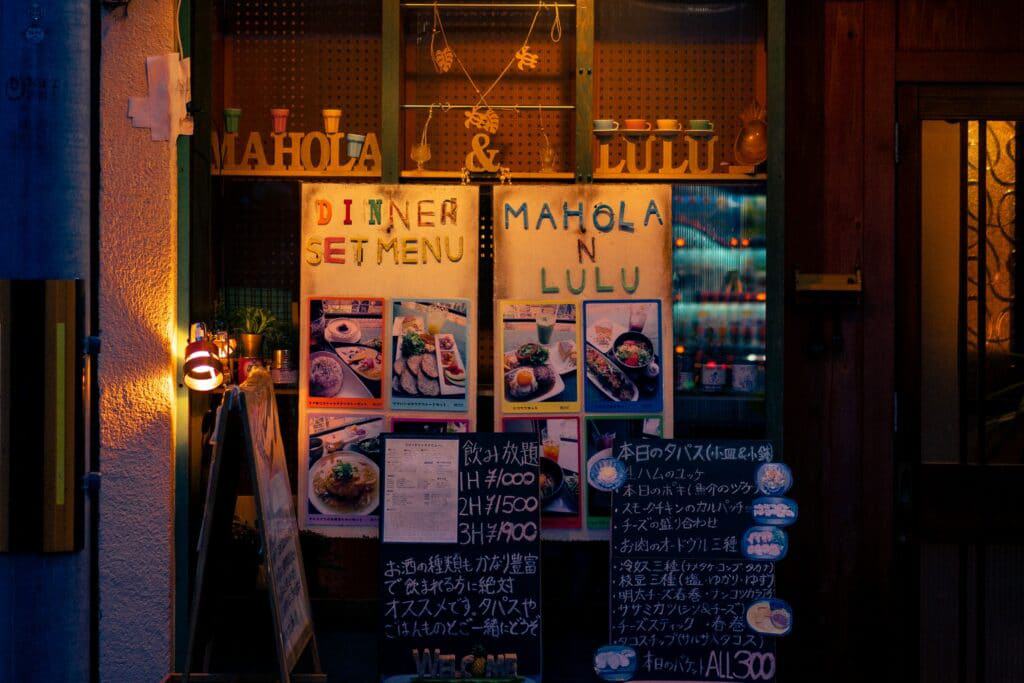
(343, 481)
(623, 358)
(430, 352)
(539, 360)
(346, 353)
(604, 472)
(559, 441)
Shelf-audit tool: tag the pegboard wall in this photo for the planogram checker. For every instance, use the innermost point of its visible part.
(681, 61)
(305, 55)
(485, 40)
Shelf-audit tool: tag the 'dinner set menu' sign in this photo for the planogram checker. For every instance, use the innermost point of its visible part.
(388, 320)
(460, 559)
(696, 528)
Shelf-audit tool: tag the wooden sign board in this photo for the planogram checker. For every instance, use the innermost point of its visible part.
(582, 283)
(295, 155)
(388, 332)
(247, 428)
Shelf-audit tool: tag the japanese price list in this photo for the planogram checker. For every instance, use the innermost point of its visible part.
(477, 585)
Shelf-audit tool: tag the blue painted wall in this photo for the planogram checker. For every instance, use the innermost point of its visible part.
(44, 228)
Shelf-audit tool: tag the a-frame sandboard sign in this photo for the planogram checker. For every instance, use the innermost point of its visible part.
(247, 429)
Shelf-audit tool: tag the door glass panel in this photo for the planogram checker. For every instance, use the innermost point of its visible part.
(940, 256)
(971, 371)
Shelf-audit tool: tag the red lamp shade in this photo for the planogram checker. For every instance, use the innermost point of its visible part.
(203, 369)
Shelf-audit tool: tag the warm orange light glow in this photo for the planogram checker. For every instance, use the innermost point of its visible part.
(745, 242)
(733, 242)
(680, 349)
(203, 370)
(761, 296)
(680, 242)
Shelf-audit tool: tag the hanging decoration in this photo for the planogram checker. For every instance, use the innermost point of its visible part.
(526, 59)
(547, 153)
(421, 150)
(482, 116)
(483, 119)
(442, 58)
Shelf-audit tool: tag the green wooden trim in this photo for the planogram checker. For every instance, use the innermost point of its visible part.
(181, 443)
(776, 285)
(391, 84)
(584, 89)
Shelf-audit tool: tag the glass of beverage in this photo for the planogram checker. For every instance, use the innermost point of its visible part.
(436, 316)
(545, 324)
(637, 317)
(550, 449)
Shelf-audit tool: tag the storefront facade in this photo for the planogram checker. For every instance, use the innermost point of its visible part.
(237, 216)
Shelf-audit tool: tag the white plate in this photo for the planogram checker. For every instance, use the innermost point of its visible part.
(617, 329)
(557, 388)
(331, 333)
(555, 359)
(592, 378)
(446, 388)
(352, 384)
(331, 458)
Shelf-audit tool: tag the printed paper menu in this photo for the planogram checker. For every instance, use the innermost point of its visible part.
(421, 491)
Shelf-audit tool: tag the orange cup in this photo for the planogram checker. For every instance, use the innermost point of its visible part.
(636, 124)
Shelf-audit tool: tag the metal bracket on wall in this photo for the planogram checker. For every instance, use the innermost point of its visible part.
(829, 288)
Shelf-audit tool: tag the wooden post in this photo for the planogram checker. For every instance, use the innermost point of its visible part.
(584, 89)
(391, 84)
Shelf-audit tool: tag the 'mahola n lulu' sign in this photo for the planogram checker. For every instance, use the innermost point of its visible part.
(309, 154)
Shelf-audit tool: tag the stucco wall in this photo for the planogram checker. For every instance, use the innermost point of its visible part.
(137, 310)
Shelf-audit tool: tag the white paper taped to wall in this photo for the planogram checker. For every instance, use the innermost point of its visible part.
(164, 109)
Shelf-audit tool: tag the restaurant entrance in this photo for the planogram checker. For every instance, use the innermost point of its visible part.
(960, 369)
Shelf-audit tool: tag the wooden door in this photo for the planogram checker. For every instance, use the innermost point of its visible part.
(960, 374)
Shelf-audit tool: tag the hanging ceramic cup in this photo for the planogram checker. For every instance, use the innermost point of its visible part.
(355, 145)
(332, 119)
(279, 119)
(231, 118)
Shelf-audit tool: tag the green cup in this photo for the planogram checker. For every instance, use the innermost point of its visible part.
(231, 118)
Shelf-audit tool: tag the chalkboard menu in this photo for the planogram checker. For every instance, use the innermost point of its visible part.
(696, 527)
(460, 558)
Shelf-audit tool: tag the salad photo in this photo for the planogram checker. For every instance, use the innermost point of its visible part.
(623, 359)
(539, 355)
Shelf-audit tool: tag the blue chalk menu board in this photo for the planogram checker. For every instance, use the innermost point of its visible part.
(692, 573)
(460, 558)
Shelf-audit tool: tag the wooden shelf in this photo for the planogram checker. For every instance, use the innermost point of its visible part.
(683, 177)
(516, 175)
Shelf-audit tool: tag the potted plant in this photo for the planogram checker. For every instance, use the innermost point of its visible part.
(252, 322)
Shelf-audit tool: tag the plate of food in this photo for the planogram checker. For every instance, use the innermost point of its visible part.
(602, 333)
(605, 472)
(633, 350)
(529, 377)
(330, 377)
(344, 483)
(608, 377)
(343, 331)
(326, 375)
(416, 367)
(453, 372)
(552, 480)
(365, 362)
(562, 356)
